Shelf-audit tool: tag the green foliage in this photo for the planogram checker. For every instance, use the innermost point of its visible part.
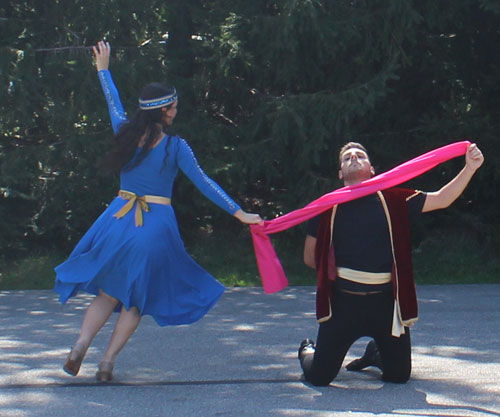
(269, 91)
(34, 272)
(457, 257)
(441, 258)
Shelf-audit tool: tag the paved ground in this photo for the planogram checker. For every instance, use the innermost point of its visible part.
(241, 360)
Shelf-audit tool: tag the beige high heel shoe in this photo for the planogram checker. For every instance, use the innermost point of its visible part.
(104, 372)
(74, 360)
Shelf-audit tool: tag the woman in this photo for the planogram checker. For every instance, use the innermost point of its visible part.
(133, 258)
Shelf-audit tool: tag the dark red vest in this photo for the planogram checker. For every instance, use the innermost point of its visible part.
(402, 269)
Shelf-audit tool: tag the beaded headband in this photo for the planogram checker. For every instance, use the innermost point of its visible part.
(157, 103)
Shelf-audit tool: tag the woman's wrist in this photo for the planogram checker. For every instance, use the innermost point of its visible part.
(247, 218)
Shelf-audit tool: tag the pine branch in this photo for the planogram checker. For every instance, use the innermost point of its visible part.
(79, 48)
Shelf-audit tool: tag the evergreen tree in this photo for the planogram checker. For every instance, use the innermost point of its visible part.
(269, 91)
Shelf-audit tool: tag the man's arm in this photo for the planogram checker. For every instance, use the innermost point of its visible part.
(451, 191)
(309, 249)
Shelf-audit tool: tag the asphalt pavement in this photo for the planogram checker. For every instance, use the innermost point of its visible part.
(241, 360)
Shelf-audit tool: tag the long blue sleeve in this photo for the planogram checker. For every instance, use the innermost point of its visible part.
(186, 159)
(210, 189)
(115, 107)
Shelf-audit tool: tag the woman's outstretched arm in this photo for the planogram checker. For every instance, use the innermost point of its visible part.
(189, 165)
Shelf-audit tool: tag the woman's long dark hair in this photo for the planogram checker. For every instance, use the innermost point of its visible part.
(143, 122)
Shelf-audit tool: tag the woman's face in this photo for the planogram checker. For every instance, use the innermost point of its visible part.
(170, 113)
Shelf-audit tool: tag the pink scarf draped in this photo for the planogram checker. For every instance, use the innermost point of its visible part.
(271, 271)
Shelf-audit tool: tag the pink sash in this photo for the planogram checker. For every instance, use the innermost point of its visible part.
(271, 271)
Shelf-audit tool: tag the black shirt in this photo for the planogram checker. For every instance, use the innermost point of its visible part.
(361, 234)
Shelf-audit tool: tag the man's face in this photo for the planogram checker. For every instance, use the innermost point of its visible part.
(355, 166)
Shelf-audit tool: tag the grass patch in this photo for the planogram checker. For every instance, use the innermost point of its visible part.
(439, 259)
(233, 263)
(34, 272)
(456, 259)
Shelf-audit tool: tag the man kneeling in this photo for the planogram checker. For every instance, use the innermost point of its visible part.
(361, 251)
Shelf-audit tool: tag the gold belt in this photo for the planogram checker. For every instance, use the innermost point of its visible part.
(142, 204)
(363, 277)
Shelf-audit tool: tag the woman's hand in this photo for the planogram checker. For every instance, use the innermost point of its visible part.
(248, 218)
(101, 53)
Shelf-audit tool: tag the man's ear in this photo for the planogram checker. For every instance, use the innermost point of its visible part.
(372, 170)
(340, 174)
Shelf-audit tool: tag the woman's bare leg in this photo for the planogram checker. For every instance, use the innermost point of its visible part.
(95, 317)
(124, 328)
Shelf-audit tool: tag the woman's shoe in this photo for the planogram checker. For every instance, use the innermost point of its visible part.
(104, 372)
(74, 361)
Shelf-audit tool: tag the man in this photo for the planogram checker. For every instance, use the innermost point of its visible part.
(361, 251)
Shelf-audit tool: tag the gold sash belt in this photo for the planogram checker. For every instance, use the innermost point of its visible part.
(364, 277)
(142, 204)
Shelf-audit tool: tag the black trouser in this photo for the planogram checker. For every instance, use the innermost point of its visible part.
(355, 316)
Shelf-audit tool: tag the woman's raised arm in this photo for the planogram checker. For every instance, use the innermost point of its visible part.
(116, 111)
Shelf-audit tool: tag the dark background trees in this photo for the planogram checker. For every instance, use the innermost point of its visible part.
(269, 91)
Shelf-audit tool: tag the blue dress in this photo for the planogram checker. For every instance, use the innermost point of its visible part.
(145, 267)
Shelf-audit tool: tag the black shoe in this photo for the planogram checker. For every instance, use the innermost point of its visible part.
(306, 343)
(371, 357)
